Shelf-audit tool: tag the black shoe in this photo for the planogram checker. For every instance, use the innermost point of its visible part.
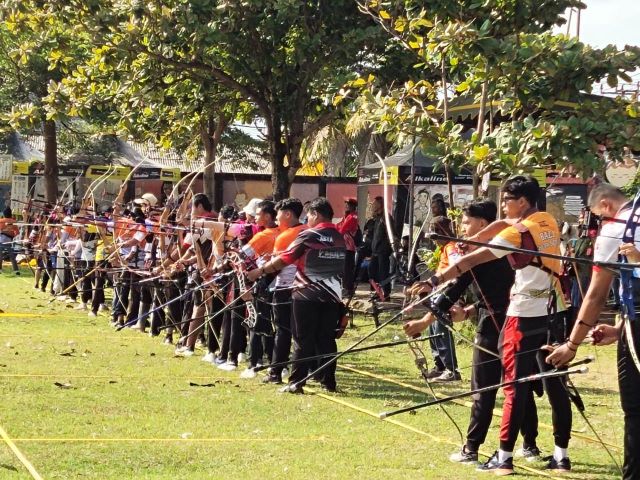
(499, 468)
(530, 454)
(329, 388)
(291, 388)
(464, 456)
(272, 379)
(434, 372)
(563, 465)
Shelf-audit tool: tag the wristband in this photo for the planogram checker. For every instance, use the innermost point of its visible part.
(434, 281)
(582, 322)
(567, 343)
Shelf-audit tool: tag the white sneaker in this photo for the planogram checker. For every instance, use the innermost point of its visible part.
(248, 373)
(209, 357)
(82, 306)
(103, 308)
(285, 372)
(241, 357)
(184, 352)
(91, 314)
(61, 298)
(70, 300)
(228, 367)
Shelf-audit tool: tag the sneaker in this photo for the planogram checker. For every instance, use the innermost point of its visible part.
(184, 352)
(285, 372)
(447, 376)
(17, 273)
(499, 468)
(272, 379)
(228, 366)
(434, 373)
(70, 300)
(563, 465)
(209, 357)
(464, 456)
(168, 340)
(291, 388)
(82, 306)
(103, 308)
(530, 454)
(219, 361)
(62, 298)
(241, 357)
(329, 388)
(248, 373)
(92, 314)
(200, 344)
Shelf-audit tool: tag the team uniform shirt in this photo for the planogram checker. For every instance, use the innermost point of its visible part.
(261, 243)
(348, 226)
(319, 253)
(89, 243)
(532, 286)
(450, 254)
(610, 238)
(287, 275)
(7, 230)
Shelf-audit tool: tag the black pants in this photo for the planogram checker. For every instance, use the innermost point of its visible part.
(172, 291)
(88, 276)
(158, 316)
(520, 342)
(379, 271)
(314, 333)
(487, 371)
(282, 319)
(629, 382)
(214, 322)
(120, 295)
(348, 277)
(98, 293)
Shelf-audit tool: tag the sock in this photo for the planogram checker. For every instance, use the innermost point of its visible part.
(504, 456)
(559, 453)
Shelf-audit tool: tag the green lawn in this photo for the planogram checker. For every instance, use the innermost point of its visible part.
(82, 401)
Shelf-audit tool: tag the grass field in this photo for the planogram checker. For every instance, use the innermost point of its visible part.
(82, 401)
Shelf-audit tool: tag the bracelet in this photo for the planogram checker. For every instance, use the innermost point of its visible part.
(434, 281)
(572, 342)
(581, 322)
(567, 343)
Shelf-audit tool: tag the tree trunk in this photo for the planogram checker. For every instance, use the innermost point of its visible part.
(211, 133)
(480, 131)
(50, 161)
(280, 174)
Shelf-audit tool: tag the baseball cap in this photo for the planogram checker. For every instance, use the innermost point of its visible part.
(251, 208)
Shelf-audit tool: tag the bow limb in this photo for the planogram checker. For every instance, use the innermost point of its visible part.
(387, 215)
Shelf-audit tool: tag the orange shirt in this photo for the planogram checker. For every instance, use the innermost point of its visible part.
(262, 242)
(286, 237)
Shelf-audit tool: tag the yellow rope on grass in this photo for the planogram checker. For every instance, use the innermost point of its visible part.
(34, 473)
(496, 413)
(420, 432)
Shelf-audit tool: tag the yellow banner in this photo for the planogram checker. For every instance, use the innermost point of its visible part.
(392, 176)
(21, 168)
(118, 172)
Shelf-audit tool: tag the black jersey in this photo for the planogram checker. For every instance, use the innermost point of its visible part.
(319, 255)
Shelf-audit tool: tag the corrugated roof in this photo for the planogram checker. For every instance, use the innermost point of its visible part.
(31, 147)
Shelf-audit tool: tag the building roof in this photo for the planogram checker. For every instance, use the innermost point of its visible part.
(130, 153)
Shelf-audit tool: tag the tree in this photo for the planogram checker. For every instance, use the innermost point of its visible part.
(502, 52)
(35, 51)
(286, 59)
